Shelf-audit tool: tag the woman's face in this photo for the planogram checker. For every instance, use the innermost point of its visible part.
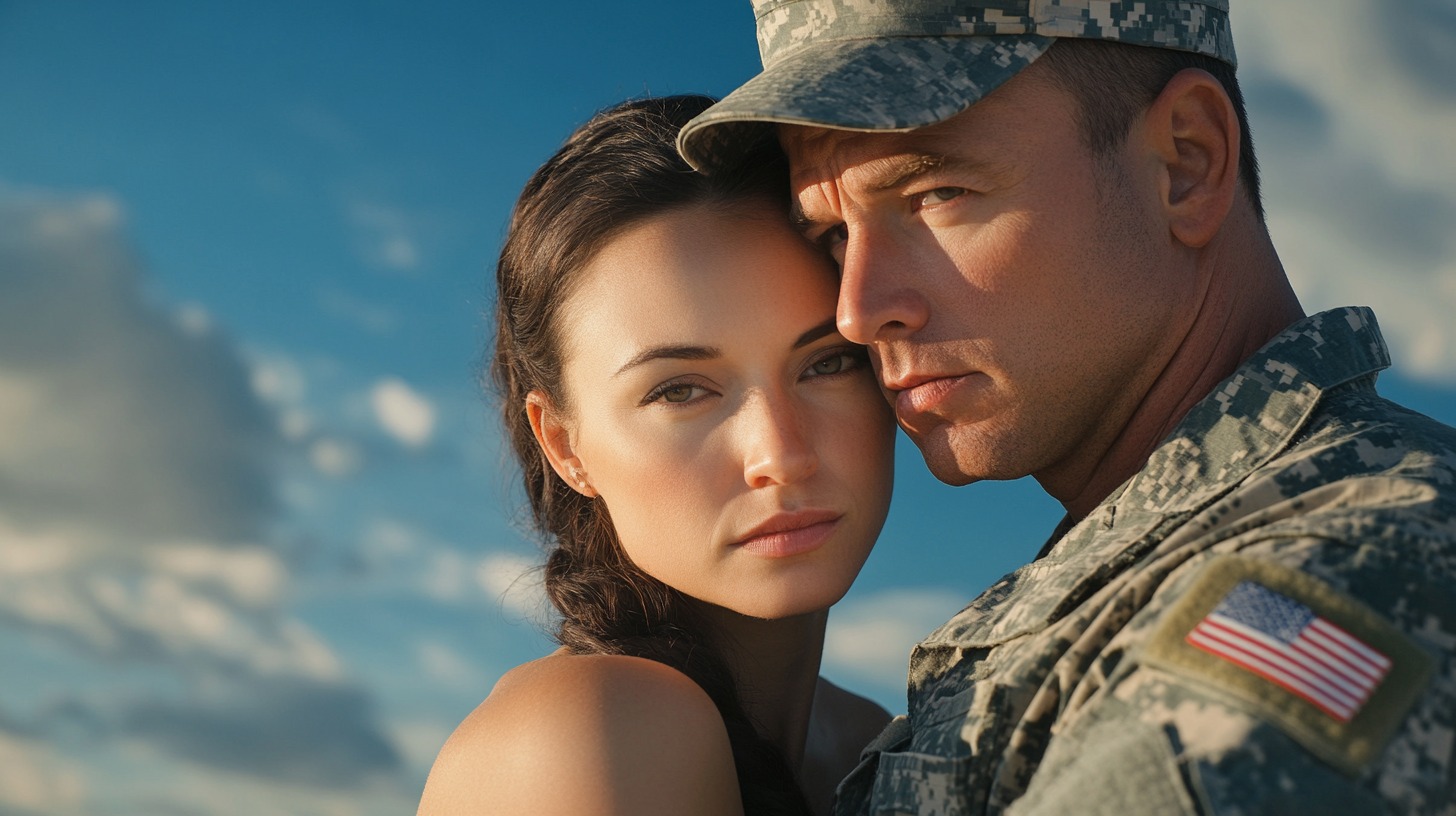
(741, 444)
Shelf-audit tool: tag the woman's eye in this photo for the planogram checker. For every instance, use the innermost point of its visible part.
(678, 393)
(835, 363)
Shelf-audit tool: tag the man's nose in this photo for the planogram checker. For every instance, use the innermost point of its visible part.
(877, 297)
(776, 449)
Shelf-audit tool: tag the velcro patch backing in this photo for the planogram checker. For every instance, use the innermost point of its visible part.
(1331, 673)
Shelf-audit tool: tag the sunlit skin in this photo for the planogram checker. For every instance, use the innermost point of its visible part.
(737, 439)
(744, 452)
(739, 442)
(1031, 308)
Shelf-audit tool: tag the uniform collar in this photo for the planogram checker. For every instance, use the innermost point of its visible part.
(1255, 413)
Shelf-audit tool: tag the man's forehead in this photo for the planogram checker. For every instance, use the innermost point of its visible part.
(817, 154)
(872, 162)
(811, 150)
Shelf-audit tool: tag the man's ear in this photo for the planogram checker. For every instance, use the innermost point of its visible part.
(554, 436)
(1194, 130)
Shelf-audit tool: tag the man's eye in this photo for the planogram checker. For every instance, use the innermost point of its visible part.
(834, 240)
(939, 195)
(834, 236)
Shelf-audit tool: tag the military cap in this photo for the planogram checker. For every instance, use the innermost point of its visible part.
(897, 65)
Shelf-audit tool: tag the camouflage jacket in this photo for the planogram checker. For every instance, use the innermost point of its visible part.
(1262, 620)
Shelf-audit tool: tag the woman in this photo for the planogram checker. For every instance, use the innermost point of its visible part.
(712, 462)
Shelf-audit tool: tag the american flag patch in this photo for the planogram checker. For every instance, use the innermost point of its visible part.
(1283, 641)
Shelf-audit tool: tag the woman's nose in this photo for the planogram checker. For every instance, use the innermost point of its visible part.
(776, 450)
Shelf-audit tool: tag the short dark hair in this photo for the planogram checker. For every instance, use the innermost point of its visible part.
(1114, 82)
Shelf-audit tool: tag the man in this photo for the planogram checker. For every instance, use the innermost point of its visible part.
(1047, 220)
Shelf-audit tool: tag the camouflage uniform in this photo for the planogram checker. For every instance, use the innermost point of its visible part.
(1172, 652)
(1070, 687)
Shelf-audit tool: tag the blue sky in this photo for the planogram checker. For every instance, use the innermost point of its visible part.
(259, 550)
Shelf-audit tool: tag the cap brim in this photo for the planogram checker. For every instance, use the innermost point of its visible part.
(882, 84)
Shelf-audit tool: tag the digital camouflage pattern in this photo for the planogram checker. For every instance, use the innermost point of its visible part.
(1040, 698)
(879, 65)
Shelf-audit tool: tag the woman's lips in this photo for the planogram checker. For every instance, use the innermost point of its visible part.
(790, 534)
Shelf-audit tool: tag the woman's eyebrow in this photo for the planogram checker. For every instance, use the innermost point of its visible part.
(681, 352)
(822, 330)
(685, 352)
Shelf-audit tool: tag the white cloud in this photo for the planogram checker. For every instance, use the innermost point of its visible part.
(414, 559)
(250, 576)
(403, 412)
(34, 778)
(188, 605)
(138, 455)
(335, 457)
(193, 319)
(399, 252)
(295, 423)
(116, 415)
(447, 666)
(869, 637)
(1354, 133)
(445, 575)
(389, 540)
(278, 380)
(1353, 59)
(515, 582)
(372, 317)
(385, 235)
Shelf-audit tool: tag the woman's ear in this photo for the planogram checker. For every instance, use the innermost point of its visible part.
(1194, 130)
(555, 438)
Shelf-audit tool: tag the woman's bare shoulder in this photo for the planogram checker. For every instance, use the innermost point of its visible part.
(843, 724)
(587, 734)
(859, 716)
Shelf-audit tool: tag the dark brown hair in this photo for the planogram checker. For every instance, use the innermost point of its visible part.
(616, 170)
(1113, 83)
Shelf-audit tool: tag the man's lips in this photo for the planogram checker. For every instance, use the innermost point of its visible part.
(927, 394)
(792, 533)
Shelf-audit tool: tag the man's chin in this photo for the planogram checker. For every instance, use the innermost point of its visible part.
(958, 457)
(940, 457)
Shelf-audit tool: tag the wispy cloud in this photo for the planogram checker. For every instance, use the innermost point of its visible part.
(373, 318)
(386, 236)
(870, 637)
(403, 412)
(290, 729)
(116, 416)
(416, 561)
(35, 779)
(136, 497)
(1354, 120)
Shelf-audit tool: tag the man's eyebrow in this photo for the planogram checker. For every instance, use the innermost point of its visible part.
(900, 170)
(824, 329)
(682, 352)
(893, 173)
